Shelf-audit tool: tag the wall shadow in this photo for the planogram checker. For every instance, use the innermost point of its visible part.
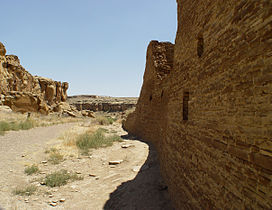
(146, 191)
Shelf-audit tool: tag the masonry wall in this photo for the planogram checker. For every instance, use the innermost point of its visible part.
(219, 156)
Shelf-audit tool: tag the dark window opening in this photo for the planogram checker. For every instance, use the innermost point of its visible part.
(200, 46)
(185, 105)
(162, 94)
(150, 98)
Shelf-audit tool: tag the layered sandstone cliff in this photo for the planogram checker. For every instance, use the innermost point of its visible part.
(209, 113)
(26, 93)
(102, 103)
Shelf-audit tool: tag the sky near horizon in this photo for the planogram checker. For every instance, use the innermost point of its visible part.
(98, 46)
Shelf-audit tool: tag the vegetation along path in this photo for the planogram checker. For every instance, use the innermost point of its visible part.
(122, 176)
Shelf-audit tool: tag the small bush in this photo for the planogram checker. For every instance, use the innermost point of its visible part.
(103, 130)
(50, 150)
(105, 120)
(55, 157)
(31, 169)
(26, 125)
(98, 139)
(27, 190)
(4, 126)
(102, 121)
(114, 138)
(113, 131)
(15, 126)
(111, 120)
(60, 178)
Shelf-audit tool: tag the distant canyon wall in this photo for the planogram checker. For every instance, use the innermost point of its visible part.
(102, 103)
(206, 103)
(26, 93)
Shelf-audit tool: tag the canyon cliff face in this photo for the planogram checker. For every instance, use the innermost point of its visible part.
(96, 103)
(206, 103)
(26, 93)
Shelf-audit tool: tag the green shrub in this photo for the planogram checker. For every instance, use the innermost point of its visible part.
(103, 130)
(15, 126)
(31, 169)
(26, 190)
(114, 138)
(60, 178)
(96, 140)
(4, 126)
(50, 150)
(105, 120)
(55, 157)
(26, 125)
(111, 120)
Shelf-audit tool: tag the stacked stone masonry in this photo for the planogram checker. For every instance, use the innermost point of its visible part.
(206, 103)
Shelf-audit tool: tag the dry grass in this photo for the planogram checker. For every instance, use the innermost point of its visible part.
(25, 190)
(69, 138)
(31, 169)
(60, 178)
(95, 140)
(18, 121)
(55, 157)
(102, 120)
(16, 125)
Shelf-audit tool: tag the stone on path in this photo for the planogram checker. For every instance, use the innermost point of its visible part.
(125, 146)
(136, 168)
(62, 200)
(115, 162)
(53, 204)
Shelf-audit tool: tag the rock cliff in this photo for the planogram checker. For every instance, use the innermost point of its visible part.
(206, 104)
(26, 93)
(102, 103)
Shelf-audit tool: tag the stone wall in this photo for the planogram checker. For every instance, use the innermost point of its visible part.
(210, 112)
(23, 92)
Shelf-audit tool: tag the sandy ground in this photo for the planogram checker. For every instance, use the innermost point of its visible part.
(133, 184)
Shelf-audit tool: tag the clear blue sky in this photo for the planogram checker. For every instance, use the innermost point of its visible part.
(98, 46)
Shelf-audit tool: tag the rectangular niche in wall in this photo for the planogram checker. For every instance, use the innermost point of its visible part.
(185, 106)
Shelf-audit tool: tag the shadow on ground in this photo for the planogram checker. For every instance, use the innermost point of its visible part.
(146, 192)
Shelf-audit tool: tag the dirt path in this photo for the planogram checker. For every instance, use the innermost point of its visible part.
(135, 183)
(17, 149)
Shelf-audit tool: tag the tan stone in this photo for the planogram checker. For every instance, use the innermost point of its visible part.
(2, 49)
(71, 114)
(24, 92)
(50, 93)
(91, 114)
(205, 104)
(102, 103)
(19, 102)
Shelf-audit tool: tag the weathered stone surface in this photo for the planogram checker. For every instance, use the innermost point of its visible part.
(5, 109)
(2, 49)
(102, 103)
(207, 105)
(24, 92)
(71, 114)
(115, 162)
(87, 113)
